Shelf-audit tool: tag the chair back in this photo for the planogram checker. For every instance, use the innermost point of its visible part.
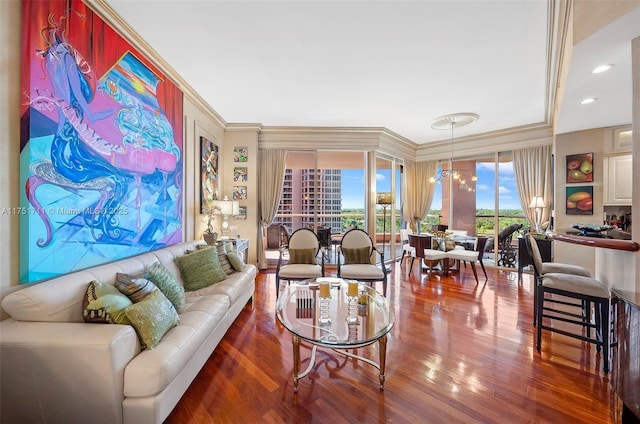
(324, 237)
(304, 238)
(534, 252)
(420, 242)
(356, 238)
(404, 235)
(481, 243)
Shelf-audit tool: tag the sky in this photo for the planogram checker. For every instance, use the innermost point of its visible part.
(353, 187)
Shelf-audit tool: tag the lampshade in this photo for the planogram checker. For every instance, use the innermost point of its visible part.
(226, 206)
(384, 198)
(537, 202)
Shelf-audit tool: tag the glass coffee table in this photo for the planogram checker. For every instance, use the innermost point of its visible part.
(298, 311)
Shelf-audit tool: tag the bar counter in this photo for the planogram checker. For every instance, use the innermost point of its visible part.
(615, 244)
(614, 261)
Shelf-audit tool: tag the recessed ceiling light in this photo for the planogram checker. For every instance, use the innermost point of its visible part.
(588, 100)
(601, 68)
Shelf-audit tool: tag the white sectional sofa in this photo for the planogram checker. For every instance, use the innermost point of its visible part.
(55, 368)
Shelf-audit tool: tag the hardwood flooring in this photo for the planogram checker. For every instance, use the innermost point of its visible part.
(458, 353)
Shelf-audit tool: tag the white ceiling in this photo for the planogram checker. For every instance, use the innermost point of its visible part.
(392, 64)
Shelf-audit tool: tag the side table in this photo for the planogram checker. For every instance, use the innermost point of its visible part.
(240, 245)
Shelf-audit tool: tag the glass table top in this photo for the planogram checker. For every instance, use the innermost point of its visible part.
(298, 310)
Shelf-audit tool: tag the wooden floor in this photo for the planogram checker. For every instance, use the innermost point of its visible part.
(458, 353)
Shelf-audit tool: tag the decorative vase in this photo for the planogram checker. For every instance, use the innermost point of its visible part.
(210, 238)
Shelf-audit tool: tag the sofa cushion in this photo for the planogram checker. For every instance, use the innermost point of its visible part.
(356, 255)
(236, 260)
(105, 304)
(167, 283)
(200, 269)
(136, 288)
(153, 370)
(152, 318)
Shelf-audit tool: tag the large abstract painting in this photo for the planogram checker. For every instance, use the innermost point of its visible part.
(100, 147)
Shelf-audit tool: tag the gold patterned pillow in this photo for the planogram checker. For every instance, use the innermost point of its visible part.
(302, 256)
(357, 255)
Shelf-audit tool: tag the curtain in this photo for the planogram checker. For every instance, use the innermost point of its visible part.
(272, 166)
(417, 191)
(532, 169)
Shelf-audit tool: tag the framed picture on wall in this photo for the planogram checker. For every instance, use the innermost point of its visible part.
(240, 174)
(240, 154)
(208, 171)
(580, 200)
(580, 168)
(239, 192)
(243, 213)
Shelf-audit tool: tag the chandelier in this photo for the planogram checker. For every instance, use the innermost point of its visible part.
(460, 176)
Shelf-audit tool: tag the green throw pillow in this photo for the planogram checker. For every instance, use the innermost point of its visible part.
(358, 255)
(200, 269)
(236, 260)
(302, 256)
(152, 318)
(167, 283)
(103, 303)
(135, 287)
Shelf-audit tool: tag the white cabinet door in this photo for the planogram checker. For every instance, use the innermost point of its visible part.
(618, 180)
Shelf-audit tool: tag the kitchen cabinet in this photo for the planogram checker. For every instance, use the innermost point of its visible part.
(617, 180)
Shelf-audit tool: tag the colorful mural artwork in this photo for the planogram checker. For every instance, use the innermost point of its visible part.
(208, 173)
(100, 147)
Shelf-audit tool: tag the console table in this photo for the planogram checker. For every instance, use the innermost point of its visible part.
(524, 259)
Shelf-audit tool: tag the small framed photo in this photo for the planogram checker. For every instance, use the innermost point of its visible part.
(243, 213)
(580, 200)
(239, 192)
(580, 168)
(240, 174)
(240, 154)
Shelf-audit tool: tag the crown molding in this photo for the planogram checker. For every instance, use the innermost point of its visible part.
(491, 142)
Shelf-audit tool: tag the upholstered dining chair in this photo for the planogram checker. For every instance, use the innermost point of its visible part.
(303, 251)
(407, 249)
(471, 256)
(552, 298)
(423, 251)
(358, 250)
(550, 267)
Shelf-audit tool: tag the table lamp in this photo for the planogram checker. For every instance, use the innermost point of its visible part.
(226, 207)
(537, 203)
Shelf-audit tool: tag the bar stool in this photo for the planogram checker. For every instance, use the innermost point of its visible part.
(588, 291)
(551, 267)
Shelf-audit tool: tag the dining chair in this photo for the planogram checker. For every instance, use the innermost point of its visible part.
(407, 249)
(358, 250)
(552, 299)
(469, 256)
(302, 264)
(423, 251)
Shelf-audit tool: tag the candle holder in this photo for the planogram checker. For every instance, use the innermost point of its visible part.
(352, 302)
(324, 299)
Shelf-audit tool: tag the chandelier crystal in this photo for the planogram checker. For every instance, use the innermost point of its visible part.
(455, 120)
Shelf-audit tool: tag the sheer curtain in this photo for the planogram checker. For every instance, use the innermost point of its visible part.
(272, 168)
(417, 191)
(532, 169)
